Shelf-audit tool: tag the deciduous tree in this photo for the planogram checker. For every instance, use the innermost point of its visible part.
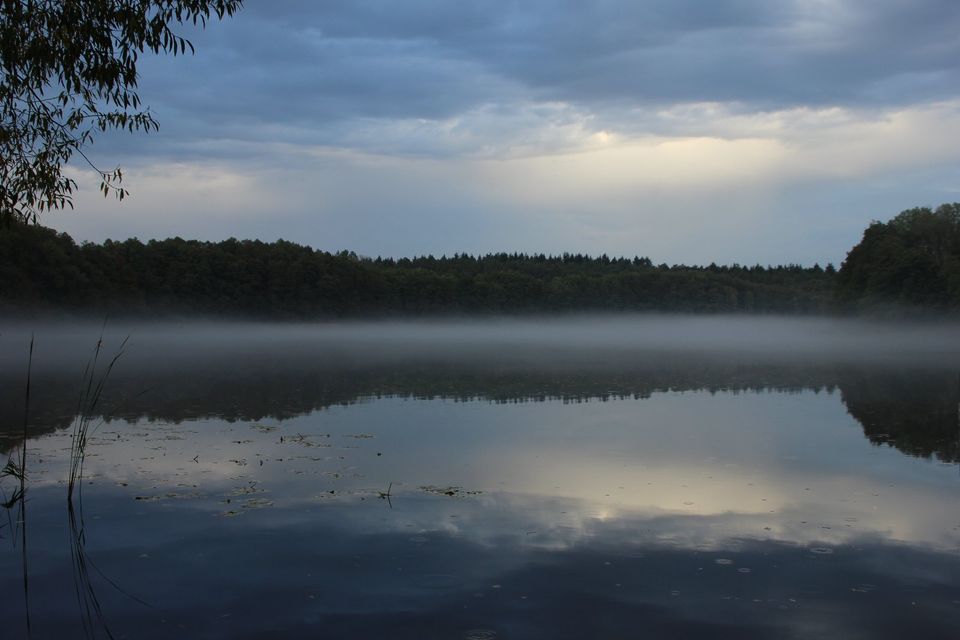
(69, 72)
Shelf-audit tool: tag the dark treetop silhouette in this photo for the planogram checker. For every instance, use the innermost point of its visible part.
(70, 71)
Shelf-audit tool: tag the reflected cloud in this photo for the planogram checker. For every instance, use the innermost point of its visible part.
(633, 467)
(742, 466)
(360, 570)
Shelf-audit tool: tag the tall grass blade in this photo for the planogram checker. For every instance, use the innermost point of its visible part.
(17, 469)
(88, 402)
(23, 489)
(93, 383)
(91, 612)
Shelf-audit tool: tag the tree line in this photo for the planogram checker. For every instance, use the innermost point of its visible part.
(910, 263)
(42, 270)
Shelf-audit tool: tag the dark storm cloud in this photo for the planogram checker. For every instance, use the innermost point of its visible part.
(433, 59)
(319, 72)
(763, 53)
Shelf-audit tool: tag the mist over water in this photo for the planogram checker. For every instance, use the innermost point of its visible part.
(471, 478)
(543, 341)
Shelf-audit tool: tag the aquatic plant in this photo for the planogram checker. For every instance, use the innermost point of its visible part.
(83, 424)
(91, 611)
(83, 427)
(16, 468)
(386, 495)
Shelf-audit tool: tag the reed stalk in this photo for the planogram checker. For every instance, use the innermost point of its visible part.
(83, 424)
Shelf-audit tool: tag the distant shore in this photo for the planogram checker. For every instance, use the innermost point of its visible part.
(906, 268)
(43, 273)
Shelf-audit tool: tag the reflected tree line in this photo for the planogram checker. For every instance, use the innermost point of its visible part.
(916, 413)
(913, 411)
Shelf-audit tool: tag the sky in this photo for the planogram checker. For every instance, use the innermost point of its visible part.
(688, 131)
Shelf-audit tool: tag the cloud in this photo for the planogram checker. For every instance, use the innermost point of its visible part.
(797, 185)
(732, 130)
(334, 68)
(431, 79)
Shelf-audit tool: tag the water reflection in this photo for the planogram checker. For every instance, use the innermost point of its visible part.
(796, 456)
(906, 398)
(534, 491)
(915, 411)
(348, 570)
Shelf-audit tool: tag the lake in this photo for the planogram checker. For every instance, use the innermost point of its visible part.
(591, 477)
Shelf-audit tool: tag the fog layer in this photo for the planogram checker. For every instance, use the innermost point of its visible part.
(581, 340)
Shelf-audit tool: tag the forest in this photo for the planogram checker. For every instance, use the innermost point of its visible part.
(46, 271)
(911, 262)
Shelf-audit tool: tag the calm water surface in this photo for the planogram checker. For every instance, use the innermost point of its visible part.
(614, 478)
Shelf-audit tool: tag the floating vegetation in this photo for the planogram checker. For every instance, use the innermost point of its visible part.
(168, 496)
(449, 491)
(256, 503)
(308, 458)
(250, 488)
(263, 428)
(169, 436)
(305, 440)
